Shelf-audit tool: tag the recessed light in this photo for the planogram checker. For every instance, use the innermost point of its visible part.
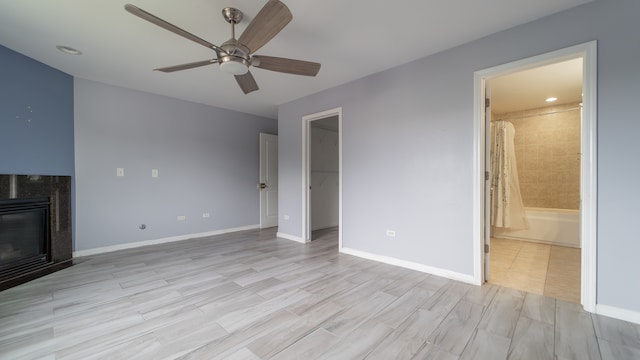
(68, 50)
(551, 99)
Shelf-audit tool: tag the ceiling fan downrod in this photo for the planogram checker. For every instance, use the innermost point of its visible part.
(233, 16)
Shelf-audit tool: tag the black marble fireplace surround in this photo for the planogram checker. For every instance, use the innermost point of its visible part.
(34, 208)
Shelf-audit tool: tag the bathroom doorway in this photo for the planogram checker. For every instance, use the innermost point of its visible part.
(585, 158)
(534, 162)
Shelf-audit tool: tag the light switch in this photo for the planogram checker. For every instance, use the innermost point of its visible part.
(120, 172)
(154, 173)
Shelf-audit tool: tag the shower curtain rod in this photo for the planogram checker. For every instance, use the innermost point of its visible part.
(547, 113)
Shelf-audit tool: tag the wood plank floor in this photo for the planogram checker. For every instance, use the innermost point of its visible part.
(249, 295)
(549, 270)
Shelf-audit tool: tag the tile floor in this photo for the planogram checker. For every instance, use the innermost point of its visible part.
(251, 295)
(549, 270)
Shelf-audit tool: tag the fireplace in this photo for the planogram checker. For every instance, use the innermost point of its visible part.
(24, 235)
(35, 227)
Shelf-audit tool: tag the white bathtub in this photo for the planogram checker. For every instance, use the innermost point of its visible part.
(550, 226)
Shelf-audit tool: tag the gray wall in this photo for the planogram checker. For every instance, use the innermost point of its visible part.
(408, 146)
(207, 158)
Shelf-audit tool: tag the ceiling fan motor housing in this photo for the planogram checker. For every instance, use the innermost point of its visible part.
(236, 61)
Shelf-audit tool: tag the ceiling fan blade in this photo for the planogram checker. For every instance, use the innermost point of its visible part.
(273, 17)
(192, 65)
(289, 66)
(247, 82)
(168, 26)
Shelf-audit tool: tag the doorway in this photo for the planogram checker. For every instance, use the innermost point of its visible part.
(534, 119)
(585, 158)
(322, 174)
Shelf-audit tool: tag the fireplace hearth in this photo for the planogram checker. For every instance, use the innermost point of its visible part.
(35, 227)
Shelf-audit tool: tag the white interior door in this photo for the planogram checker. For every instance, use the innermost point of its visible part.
(268, 180)
(487, 182)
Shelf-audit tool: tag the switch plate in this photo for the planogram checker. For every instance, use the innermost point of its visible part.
(154, 173)
(286, 217)
(181, 217)
(391, 233)
(120, 172)
(206, 215)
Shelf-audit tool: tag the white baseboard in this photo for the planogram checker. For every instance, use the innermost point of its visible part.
(411, 265)
(618, 313)
(106, 249)
(290, 237)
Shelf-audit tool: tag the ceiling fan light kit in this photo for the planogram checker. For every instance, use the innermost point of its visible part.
(236, 56)
(234, 66)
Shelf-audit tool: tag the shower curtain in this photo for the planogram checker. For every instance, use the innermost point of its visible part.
(507, 207)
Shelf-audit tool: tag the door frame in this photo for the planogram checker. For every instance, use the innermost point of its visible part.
(306, 171)
(588, 163)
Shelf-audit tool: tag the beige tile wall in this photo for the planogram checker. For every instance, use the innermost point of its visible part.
(548, 155)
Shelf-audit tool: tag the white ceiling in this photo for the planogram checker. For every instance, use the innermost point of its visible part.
(351, 39)
(528, 89)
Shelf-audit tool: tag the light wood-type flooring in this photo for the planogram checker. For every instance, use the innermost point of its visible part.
(549, 270)
(249, 295)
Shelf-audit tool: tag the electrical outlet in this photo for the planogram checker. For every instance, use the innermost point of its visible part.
(154, 173)
(181, 217)
(206, 215)
(286, 217)
(391, 233)
(120, 172)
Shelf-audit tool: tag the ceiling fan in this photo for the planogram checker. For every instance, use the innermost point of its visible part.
(236, 56)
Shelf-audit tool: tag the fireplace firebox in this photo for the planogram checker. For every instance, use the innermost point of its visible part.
(24, 235)
(35, 227)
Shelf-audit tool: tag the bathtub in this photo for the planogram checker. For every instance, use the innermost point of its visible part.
(549, 226)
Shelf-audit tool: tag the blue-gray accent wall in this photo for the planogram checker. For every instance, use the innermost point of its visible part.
(36, 117)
